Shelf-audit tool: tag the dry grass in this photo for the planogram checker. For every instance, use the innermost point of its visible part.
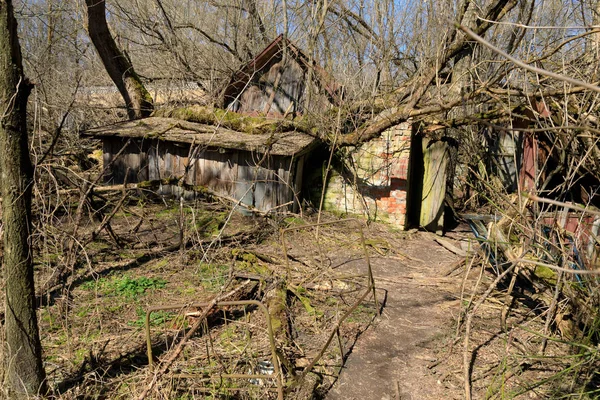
(92, 327)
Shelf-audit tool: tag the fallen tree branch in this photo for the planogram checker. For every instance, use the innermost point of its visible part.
(496, 11)
(562, 204)
(528, 67)
(169, 361)
(448, 246)
(466, 358)
(557, 268)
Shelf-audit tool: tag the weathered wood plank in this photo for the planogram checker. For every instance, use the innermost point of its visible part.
(230, 173)
(435, 159)
(299, 170)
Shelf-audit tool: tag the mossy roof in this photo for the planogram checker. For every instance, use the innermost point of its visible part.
(177, 130)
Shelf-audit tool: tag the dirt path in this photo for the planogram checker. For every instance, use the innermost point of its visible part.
(397, 353)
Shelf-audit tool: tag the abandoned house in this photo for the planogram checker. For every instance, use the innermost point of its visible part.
(260, 171)
(399, 177)
(280, 81)
(267, 170)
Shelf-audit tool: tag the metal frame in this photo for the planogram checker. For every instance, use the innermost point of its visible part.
(277, 376)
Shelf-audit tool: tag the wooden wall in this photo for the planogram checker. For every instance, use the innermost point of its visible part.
(278, 88)
(275, 90)
(134, 157)
(262, 182)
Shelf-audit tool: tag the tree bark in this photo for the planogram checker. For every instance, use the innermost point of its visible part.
(137, 99)
(23, 352)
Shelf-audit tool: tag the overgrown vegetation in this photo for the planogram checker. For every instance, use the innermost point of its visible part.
(119, 276)
(237, 122)
(542, 258)
(511, 88)
(125, 286)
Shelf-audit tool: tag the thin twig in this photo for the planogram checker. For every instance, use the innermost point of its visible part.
(521, 64)
(169, 361)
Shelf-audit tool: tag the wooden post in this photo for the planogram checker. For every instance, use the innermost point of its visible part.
(529, 171)
(435, 163)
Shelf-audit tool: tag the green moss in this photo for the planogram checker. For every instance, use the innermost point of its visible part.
(246, 261)
(546, 274)
(141, 89)
(299, 293)
(210, 223)
(277, 307)
(237, 122)
(156, 183)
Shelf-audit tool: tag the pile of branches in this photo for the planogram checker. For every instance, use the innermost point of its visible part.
(543, 254)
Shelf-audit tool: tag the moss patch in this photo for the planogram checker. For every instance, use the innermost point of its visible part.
(545, 274)
(235, 121)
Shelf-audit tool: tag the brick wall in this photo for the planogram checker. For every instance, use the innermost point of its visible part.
(378, 184)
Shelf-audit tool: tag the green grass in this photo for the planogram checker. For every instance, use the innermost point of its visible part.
(125, 286)
(48, 318)
(167, 212)
(213, 276)
(84, 311)
(157, 318)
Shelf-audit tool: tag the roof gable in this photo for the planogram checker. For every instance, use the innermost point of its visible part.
(267, 84)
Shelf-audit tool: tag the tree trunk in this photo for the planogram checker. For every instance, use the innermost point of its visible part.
(593, 42)
(23, 351)
(119, 68)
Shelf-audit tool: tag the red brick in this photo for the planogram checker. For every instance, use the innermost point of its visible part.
(399, 168)
(383, 202)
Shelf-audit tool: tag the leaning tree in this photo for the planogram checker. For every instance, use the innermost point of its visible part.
(137, 99)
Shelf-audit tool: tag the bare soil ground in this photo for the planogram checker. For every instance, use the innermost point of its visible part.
(164, 254)
(394, 357)
(419, 349)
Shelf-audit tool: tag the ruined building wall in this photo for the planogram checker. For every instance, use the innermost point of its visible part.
(376, 182)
